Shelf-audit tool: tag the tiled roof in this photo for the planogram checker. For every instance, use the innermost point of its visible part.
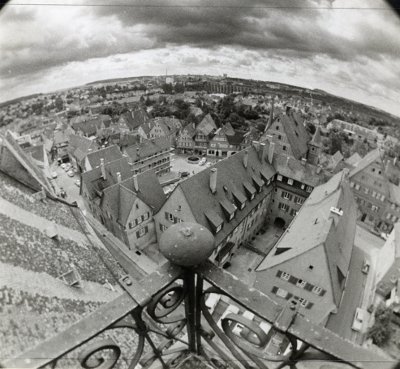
(316, 139)
(37, 152)
(354, 159)
(147, 148)
(206, 126)
(24, 160)
(368, 159)
(110, 153)
(94, 182)
(296, 134)
(119, 198)
(88, 127)
(135, 118)
(81, 143)
(298, 170)
(231, 179)
(315, 224)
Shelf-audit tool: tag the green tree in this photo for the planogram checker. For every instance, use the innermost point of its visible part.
(59, 103)
(381, 331)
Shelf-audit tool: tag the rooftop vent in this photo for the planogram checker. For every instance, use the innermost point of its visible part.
(336, 211)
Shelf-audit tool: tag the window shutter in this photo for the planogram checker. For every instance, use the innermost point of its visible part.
(309, 305)
(146, 229)
(166, 216)
(289, 296)
(137, 234)
(290, 197)
(278, 274)
(322, 293)
(274, 290)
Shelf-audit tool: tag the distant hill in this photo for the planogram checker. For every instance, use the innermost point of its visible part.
(19, 99)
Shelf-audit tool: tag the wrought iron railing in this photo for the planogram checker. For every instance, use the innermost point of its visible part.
(194, 310)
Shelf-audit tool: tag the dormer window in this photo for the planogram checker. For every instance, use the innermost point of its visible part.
(215, 221)
(258, 183)
(228, 208)
(250, 190)
(279, 177)
(239, 198)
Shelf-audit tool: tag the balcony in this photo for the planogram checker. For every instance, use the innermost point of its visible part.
(190, 313)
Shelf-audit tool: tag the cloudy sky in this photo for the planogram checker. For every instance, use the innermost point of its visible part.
(347, 47)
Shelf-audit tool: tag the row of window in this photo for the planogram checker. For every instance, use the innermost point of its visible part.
(172, 218)
(280, 292)
(395, 207)
(367, 204)
(139, 220)
(367, 191)
(288, 196)
(290, 182)
(285, 207)
(142, 232)
(300, 283)
(392, 218)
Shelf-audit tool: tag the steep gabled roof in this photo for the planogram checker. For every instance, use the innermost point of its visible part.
(94, 181)
(110, 153)
(84, 144)
(298, 170)
(206, 126)
(25, 161)
(232, 177)
(135, 118)
(296, 133)
(367, 160)
(120, 197)
(354, 159)
(316, 225)
(316, 139)
(147, 148)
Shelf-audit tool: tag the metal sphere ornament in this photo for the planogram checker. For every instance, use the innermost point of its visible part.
(187, 244)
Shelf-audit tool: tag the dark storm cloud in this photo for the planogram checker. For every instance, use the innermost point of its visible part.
(280, 25)
(283, 26)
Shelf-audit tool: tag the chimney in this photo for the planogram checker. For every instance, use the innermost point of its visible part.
(103, 169)
(135, 183)
(303, 161)
(263, 150)
(245, 158)
(118, 177)
(395, 161)
(271, 150)
(255, 144)
(213, 180)
(287, 160)
(387, 166)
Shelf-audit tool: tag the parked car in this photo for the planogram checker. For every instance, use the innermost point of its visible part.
(185, 174)
(63, 165)
(54, 175)
(78, 183)
(63, 194)
(358, 320)
(67, 167)
(202, 161)
(71, 173)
